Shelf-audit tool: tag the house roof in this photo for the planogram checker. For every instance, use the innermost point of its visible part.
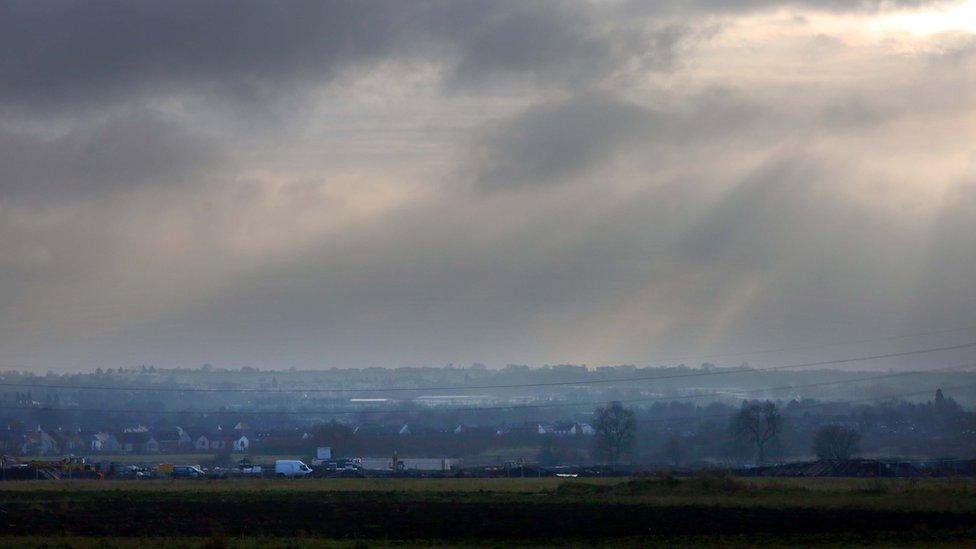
(134, 438)
(215, 435)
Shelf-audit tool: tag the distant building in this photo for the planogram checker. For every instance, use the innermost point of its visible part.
(565, 429)
(219, 441)
(202, 442)
(173, 440)
(39, 443)
(242, 443)
(138, 442)
(104, 442)
(70, 442)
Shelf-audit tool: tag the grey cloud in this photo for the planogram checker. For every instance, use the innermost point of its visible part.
(431, 290)
(60, 54)
(945, 290)
(811, 253)
(554, 142)
(534, 38)
(64, 53)
(765, 215)
(853, 113)
(126, 149)
(718, 221)
(559, 43)
(79, 51)
(551, 141)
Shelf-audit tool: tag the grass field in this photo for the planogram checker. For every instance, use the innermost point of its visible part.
(707, 510)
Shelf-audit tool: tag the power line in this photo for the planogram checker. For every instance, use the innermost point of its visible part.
(811, 347)
(510, 406)
(495, 386)
(809, 385)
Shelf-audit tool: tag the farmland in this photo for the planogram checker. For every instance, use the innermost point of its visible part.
(703, 510)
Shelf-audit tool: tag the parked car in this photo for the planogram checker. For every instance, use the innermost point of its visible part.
(292, 468)
(188, 471)
(134, 471)
(247, 469)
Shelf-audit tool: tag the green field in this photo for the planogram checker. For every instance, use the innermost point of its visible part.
(704, 510)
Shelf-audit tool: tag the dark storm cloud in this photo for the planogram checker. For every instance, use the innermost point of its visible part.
(56, 53)
(63, 53)
(124, 150)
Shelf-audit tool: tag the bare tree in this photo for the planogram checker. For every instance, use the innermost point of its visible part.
(757, 424)
(675, 450)
(835, 442)
(616, 428)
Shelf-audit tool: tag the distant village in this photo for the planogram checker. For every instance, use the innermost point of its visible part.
(683, 417)
(237, 439)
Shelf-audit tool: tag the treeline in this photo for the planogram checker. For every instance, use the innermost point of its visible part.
(681, 434)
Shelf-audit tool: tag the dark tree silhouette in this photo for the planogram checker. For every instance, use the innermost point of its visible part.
(547, 454)
(757, 424)
(675, 450)
(616, 428)
(835, 442)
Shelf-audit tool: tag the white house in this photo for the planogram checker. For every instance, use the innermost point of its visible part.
(104, 442)
(242, 443)
(183, 438)
(201, 443)
(583, 429)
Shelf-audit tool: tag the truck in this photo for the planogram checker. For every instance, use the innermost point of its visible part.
(247, 469)
(291, 468)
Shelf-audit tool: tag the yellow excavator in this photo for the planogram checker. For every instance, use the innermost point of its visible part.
(69, 467)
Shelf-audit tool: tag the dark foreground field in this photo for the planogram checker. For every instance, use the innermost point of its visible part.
(636, 512)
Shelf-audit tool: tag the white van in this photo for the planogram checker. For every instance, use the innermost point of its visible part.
(291, 468)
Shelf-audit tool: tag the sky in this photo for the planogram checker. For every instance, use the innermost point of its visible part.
(404, 183)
